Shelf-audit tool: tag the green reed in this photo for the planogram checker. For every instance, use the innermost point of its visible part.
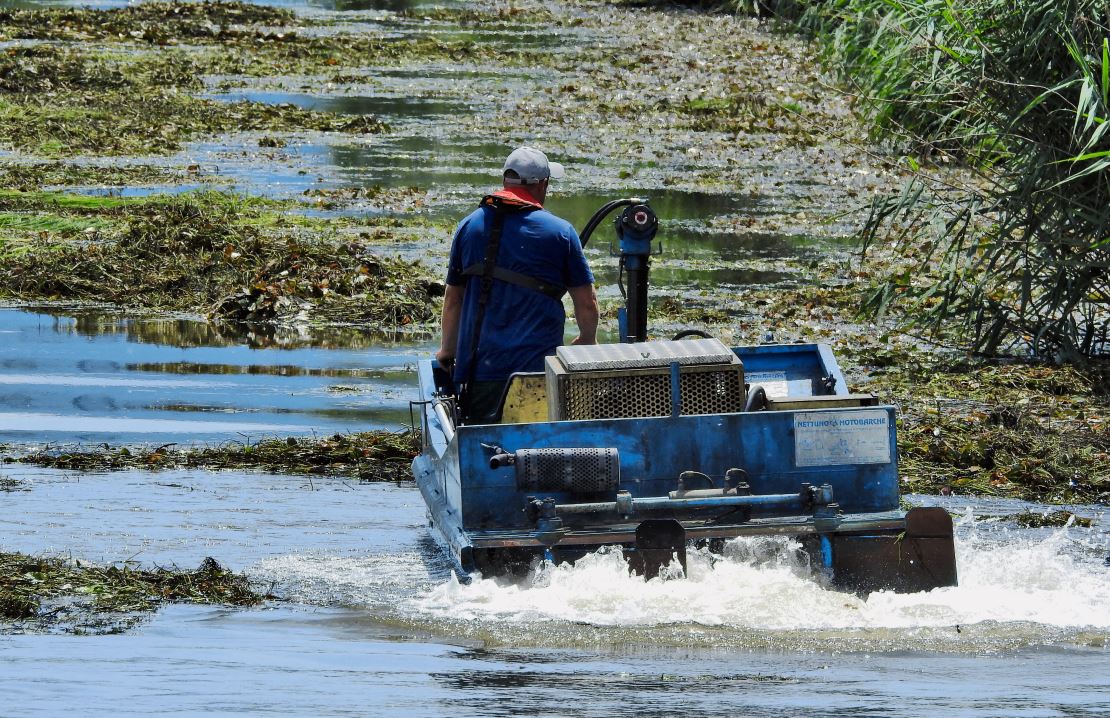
(1014, 257)
(1014, 253)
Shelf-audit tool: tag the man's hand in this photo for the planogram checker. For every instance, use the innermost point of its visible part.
(446, 359)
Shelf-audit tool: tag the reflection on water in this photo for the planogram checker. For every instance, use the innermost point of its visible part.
(185, 333)
(344, 5)
(683, 242)
(419, 162)
(108, 378)
(182, 367)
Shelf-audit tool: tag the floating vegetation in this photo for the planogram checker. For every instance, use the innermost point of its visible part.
(367, 456)
(153, 22)
(234, 258)
(236, 38)
(682, 310)
(45, 593)
(9, 484)
(744, 112)
(58, 101)
(1039, 433)
(42, 175)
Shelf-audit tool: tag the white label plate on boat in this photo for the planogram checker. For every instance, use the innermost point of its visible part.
(832, 438)
(773, 382)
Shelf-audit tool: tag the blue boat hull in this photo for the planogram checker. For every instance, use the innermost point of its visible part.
(862, 541)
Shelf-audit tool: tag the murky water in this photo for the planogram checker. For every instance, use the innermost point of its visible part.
(102, 378)
(372, 621)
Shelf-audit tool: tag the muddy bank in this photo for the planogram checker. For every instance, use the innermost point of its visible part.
(47, 594)
(367, 456)
(218, 254)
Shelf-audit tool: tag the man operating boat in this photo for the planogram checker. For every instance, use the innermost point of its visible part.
(511, 263)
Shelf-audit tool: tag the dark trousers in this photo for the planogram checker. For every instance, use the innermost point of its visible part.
(482, 402)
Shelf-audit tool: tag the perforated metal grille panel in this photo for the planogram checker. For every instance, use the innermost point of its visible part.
(705, 390)
(712, 392)
(579, 471)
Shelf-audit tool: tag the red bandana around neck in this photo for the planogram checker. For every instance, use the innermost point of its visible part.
(517, 196)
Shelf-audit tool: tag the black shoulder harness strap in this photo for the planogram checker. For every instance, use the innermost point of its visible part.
(487, 272)
(554, 291)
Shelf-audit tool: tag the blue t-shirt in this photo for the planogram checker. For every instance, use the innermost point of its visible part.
(521, 325)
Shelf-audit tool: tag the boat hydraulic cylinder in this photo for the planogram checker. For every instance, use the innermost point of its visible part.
(636, 228)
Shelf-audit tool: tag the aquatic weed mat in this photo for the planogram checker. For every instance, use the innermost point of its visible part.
(42, 594)
(124, 81)
(626, 116)
(232, 257)
(1032, 431)
(365, 456)
(57, 101)
(37, 176)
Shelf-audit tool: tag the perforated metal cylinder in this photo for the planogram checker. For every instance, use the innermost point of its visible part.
(578, 471)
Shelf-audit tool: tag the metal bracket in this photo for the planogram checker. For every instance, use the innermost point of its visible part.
(736, 479)
(549, 527)
(624, 504)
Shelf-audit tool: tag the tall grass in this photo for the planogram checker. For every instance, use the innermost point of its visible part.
(1019, 91)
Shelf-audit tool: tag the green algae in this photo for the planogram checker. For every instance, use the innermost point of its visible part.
(37, 176)
(366, 456)
(41, 593)
(241, 38)
(59, 101)
(231, 257)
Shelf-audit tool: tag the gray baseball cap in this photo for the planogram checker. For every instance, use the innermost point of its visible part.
(531, 166)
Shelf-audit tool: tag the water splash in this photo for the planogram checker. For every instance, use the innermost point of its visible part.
(765, 584)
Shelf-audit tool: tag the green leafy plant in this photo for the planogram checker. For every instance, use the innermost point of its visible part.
(1015, 257)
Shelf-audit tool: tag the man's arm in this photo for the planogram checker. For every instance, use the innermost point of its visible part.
(449, 324)
(585, 313)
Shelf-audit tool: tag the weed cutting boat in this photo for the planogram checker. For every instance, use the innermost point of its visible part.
(653, 445)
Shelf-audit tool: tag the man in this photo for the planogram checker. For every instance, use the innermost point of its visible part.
(511, 262)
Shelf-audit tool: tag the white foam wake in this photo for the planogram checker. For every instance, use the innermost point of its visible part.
(765, 584)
